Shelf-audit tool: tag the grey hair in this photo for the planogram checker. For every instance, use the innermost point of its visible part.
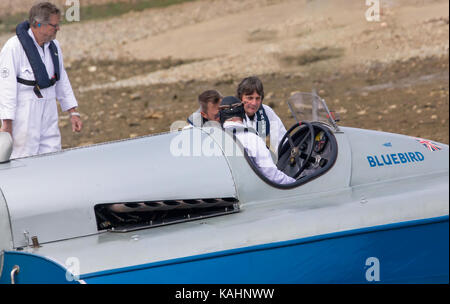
(42, 11)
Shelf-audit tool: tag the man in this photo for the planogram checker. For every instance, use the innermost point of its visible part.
(32, 77)
(209, 108)
(232, 114)
(258, 115)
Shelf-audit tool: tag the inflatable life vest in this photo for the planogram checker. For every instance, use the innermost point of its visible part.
(262, 122)
(263, 125)
(42, 80)
(196, 119)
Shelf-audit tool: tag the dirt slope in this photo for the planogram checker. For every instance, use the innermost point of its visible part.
(138, 73)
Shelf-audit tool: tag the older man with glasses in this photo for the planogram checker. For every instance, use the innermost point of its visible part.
(32, 78)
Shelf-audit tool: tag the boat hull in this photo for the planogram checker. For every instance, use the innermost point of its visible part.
(395, 253)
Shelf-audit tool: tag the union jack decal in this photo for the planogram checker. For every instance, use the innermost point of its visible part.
(428, 144)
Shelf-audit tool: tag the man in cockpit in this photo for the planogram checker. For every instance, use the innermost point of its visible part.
(259, 116)
(232, 114)
(209, 102)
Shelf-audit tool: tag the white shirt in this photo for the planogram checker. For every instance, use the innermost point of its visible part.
(277, 129)
(14, 63)
(257, 150)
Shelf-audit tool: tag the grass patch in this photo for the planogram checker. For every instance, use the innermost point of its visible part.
(8, 23)
(313, 55)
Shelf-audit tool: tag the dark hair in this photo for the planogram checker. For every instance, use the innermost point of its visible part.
(42, 11)
(207, 97)
(248, 86)
(231, 107)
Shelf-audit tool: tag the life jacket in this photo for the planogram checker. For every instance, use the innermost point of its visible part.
(263, 125)
(262, 122)
(196, 119)
(42, 80)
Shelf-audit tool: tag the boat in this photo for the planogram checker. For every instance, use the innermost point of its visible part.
(190, 207)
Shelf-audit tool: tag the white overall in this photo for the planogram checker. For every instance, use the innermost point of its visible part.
(277, 129)
(35, 120)
(256, 149)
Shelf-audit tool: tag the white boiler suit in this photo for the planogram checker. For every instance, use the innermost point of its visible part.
(257, 150)
(35, 120)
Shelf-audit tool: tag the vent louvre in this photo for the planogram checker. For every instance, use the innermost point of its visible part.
(152, 204)
(129, 216)
(172, 203)
(210, 201)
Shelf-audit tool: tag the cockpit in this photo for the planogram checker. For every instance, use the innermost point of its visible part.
(309, 148)
(307, 151)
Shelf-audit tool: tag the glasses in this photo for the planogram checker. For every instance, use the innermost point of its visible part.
(56, 26)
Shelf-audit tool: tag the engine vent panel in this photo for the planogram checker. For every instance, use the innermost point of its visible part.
(130, 216)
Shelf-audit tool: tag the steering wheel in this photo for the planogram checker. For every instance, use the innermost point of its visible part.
(300, 159)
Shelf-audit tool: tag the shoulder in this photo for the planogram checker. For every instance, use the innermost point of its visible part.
(251, 134)
(269, 111)
(254, 139)
(56, 42)
(12, 50)
(275, 120)
(271, 114)
(12, 44)
(195, 118)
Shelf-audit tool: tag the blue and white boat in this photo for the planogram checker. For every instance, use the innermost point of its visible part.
(189, 206)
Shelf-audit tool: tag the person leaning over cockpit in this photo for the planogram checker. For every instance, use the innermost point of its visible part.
(259, 116)
(209, 102)
(231, 112)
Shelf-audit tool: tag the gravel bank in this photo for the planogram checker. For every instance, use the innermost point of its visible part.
(230, 38)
